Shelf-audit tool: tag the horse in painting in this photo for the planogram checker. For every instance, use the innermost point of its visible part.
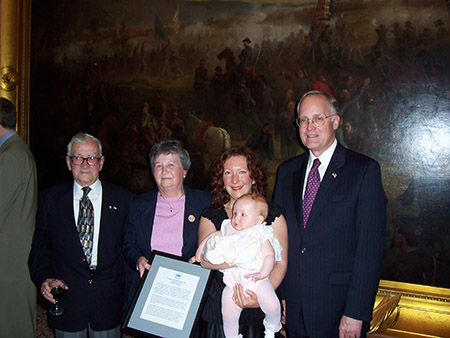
(211, 140)
(232, 73)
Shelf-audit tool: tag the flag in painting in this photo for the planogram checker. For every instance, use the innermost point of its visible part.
(159, 31)
(323, 10)
(176, 19)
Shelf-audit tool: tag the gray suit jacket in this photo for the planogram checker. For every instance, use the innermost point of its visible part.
(18, 203)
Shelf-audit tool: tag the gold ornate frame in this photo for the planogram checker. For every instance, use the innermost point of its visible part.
(15, 29)
(411, 310)
(401, 309)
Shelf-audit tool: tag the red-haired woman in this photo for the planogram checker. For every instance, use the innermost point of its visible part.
(236, 172)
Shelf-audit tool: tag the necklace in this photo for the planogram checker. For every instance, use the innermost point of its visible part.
(170, 205)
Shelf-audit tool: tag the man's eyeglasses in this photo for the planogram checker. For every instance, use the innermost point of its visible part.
(78, 160)
(317, 120)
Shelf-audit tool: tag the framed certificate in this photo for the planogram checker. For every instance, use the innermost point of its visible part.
(169, 298)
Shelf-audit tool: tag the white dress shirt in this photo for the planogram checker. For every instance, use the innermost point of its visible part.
(324, 159)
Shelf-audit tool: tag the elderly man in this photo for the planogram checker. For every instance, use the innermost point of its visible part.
(77, 244)
(335, 208)
(18, 203)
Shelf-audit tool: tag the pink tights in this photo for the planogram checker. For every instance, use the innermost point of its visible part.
(268, 301)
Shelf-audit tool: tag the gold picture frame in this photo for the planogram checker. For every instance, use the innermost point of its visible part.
(411, 310)
(15, 32)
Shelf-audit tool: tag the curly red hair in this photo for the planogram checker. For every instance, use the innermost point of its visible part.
(255, 168)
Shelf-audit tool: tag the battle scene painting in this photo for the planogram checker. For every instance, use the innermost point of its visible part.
(219, 73)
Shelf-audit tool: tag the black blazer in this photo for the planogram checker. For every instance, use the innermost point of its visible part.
(334, 264)
(94, 298)
(140, 226)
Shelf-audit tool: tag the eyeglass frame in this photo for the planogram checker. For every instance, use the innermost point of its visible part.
(97, 159)
(298, 122)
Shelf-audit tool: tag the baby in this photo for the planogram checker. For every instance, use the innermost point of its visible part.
(250, 248)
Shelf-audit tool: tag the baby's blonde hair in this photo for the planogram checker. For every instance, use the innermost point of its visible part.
(262, 207)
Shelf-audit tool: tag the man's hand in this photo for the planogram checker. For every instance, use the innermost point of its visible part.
(46, 288)
(350, 328)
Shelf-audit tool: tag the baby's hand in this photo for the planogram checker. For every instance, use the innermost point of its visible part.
(255, 276)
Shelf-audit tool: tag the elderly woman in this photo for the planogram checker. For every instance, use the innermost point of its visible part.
(167, 218)
(235, 173)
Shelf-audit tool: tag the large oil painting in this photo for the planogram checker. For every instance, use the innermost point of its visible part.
(221, 73)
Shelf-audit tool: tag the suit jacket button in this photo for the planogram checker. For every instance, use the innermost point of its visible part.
(303, 250)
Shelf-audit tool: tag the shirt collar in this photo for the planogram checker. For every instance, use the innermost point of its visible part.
(94, 193)
(326, 156)
(7, 136)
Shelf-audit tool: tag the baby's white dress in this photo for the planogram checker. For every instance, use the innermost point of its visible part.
(241, 249)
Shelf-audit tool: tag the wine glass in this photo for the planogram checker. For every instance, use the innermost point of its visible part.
(57, 290)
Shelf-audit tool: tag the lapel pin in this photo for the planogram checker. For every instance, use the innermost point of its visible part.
(112, 207)
(334, 175)
(191, 218)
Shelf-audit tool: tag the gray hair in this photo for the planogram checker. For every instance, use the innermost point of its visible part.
(169, 146)
(332, 102)
(83, 138)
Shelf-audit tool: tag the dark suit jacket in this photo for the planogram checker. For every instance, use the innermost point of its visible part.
(140, 225)
(335, 263)
(96, 297)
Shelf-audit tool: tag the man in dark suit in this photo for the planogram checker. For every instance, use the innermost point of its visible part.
(336, 232)
(91, 267)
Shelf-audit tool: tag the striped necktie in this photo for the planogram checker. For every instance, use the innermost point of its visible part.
(85, 224)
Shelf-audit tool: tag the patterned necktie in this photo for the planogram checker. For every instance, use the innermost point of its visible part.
(311, 190)
(85, 224)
